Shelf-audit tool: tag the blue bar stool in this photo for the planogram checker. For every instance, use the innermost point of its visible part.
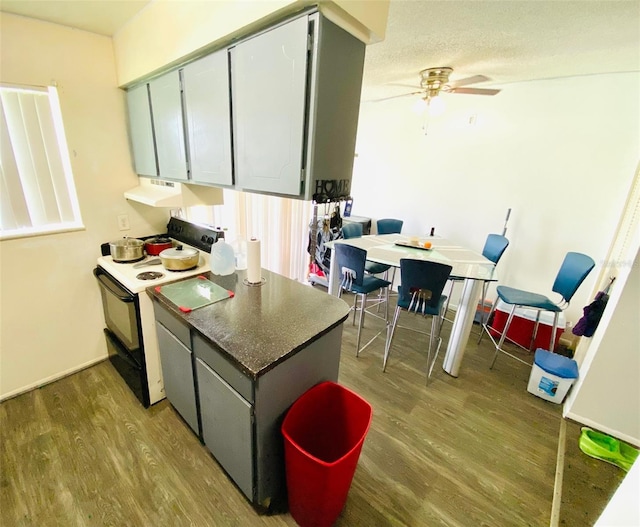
(420, 292)
(351, 266)
(573, 271)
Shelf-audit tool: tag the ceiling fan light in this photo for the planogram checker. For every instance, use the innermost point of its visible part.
(436, 106)
(420, 106)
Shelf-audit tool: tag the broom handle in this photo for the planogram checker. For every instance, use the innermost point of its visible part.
(504, 231)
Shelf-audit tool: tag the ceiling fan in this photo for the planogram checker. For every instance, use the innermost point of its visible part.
(436, 80)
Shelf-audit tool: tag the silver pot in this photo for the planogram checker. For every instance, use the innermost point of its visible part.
(127, 250)
(180, 258)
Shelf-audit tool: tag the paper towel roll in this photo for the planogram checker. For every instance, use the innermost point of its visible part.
(254, 268)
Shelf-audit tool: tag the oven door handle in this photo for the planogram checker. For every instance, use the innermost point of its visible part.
(112, 287)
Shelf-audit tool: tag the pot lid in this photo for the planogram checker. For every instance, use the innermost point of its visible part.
(128, 242)
(158, 239)
(178, 253)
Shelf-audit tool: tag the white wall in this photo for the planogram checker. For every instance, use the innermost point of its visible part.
(623, 509)
(51, 315)
(561, 153)
(167, 33)
(607, 394)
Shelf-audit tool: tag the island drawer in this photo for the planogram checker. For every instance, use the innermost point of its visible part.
(179, 330)
(223, 367)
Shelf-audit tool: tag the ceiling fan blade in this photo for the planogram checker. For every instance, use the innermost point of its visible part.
(474, 91)
(414, 86)
(469, 80)
(396, 96)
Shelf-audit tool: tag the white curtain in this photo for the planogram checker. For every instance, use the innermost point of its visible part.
(281, 225)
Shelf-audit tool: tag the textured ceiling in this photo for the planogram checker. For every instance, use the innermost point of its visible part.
(506, 40)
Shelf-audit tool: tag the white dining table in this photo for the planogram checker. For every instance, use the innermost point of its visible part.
(467, 265)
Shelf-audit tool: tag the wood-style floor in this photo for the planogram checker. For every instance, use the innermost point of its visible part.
(476, 450)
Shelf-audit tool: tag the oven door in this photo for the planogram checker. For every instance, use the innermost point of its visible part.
(123, 334)
(120, 310)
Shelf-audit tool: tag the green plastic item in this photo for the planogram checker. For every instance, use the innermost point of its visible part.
(606, 448)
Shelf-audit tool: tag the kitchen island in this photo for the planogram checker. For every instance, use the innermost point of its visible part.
(232, 369)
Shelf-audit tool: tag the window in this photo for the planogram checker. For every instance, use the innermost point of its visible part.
(281, 224)
(37, 195)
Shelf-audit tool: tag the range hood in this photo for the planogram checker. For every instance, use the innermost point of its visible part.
(158, 193)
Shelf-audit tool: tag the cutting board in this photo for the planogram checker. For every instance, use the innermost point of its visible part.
(194, 293)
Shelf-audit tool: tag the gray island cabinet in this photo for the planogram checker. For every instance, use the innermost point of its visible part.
(233, 368)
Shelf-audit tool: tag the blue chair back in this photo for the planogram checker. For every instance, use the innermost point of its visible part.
(351, 230)
(425, 276)
(349, 257)
(494, 247)
(573, 271)
(389, 226)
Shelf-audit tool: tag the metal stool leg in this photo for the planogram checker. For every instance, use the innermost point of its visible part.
(503, 336)
(390, 330)
(363, 305)
(484, 326)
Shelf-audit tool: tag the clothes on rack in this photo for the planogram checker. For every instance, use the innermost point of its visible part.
(592, 313)
(324, 229)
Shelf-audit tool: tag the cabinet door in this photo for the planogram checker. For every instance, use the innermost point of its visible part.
(168, 126)
(208, 118)
(269, 79)
(141, 131)
(226, 426)
(177, 371)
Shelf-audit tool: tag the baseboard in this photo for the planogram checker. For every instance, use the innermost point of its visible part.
(604, 429)
(556, 502)
(52, 378)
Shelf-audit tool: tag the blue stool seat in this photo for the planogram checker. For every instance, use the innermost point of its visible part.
(511, 295)
(376, 268)
(369, 284)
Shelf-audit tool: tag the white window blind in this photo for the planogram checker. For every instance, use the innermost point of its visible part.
(37, 195)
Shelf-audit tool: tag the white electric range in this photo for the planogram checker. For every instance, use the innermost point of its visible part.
(128, 312)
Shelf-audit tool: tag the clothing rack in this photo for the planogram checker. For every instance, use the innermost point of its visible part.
(325, 226)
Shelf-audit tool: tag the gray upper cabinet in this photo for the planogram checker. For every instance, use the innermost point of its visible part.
(208, 119)
(334, 89)
(166, 111)
(275, 113)
(269, 77)
(141, 131)
(295, 100)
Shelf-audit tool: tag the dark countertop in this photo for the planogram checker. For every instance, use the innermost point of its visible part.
(261, 326)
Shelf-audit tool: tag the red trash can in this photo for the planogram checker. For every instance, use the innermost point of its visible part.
(323, 435)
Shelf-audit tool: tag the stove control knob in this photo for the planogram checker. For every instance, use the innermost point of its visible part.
(209, 239)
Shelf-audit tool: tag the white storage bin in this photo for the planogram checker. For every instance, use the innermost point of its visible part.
(551, 376)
